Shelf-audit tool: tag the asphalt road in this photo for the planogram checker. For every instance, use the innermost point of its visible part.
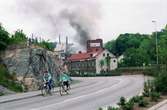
(90, 94)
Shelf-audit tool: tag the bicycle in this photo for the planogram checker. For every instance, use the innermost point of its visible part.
(62, 89)
(45, 90)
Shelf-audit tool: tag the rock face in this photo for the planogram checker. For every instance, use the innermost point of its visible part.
(28, 64)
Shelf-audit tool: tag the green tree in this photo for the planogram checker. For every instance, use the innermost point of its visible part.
(125, 41)
(18, 38)
(47, 45)
(111, 46)
(4, 38)
(135, 57)
(163, 49)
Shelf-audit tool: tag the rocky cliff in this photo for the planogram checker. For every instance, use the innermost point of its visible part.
(28, 65)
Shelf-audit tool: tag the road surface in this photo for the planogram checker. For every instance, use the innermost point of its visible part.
(90, 94)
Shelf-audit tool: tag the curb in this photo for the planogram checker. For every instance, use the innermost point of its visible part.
(157, 106)
(14, 97)
(19, 96)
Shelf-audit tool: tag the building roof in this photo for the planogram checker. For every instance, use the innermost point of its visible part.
(85, 55)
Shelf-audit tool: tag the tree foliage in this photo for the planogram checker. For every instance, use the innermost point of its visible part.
(4, 38)
(18, 37)
(47, 45)
(139, 49)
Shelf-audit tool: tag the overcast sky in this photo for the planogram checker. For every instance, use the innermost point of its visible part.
(113, 17)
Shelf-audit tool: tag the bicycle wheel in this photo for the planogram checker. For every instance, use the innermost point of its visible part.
(43, 90)
(63, 90)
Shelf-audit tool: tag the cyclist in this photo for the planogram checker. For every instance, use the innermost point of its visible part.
(47, 78)
(65, 79)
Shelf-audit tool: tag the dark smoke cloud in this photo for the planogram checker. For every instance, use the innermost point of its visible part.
(83, 32)
(61, 15)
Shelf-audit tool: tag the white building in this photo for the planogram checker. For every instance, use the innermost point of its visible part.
(95, 59)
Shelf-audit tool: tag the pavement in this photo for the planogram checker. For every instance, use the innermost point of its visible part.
(160, 106)
(18, 96)
(90, 94)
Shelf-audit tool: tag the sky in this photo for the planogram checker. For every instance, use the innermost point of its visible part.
(104, 19)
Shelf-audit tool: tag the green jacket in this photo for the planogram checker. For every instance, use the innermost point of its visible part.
(64, 77)
(47, 77)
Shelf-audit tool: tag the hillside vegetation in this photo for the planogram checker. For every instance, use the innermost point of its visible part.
(140, 49)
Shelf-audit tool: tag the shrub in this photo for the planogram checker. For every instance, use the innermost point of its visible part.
(155, 96)
(143, 103)
(148, 88)
(160, 82)
(136, 99)
(124, 105)
(122, 101)
(128, 105)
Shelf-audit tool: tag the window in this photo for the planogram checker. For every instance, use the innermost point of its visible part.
(103, 54)
(114, 61)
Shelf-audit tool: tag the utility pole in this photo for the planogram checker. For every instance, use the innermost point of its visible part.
(59, 39)
(156, 40)
(66, 47)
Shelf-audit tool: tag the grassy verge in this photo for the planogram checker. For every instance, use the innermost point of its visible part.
(154, 91)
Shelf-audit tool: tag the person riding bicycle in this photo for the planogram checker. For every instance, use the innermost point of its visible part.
(65, 79)
(47, 78)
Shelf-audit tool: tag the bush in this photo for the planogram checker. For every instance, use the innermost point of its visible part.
(151, 70)
(136, 99)
(155, 96)
(124, 105)
(148, 88)
(160, 82)
(122, 101)
(143, 103)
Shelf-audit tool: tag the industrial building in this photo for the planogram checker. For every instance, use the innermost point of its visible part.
(94, 60)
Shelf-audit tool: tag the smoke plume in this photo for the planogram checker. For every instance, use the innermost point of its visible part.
(79, 17)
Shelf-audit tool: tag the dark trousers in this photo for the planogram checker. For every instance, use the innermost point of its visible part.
(49, 84)
(66, 83)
